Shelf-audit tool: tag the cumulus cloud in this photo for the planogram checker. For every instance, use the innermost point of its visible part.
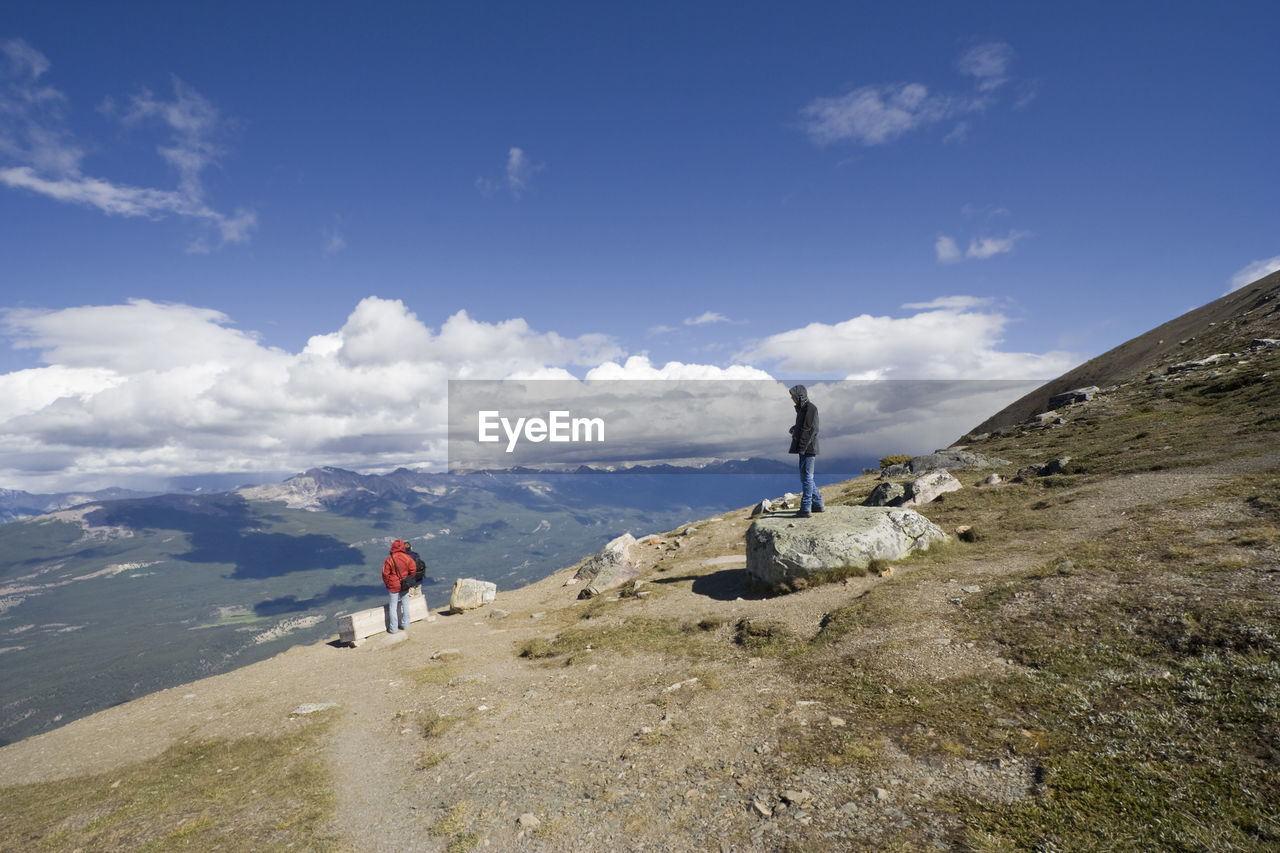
(950, 338)
(145, 391)
(1253, 272)
(44, 159)
(879, 113)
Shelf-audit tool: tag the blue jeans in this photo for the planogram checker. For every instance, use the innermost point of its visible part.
(398, 612)
(810, 496)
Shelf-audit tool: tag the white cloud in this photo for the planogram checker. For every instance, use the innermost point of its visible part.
(874, 115)
(44, 159)
(519, 172)
(880, 113)
(639, 367)
(987, 63)
(987, 247)
(151, 390)
(333, 243)
(947, 339)
(1254, 271)
(706, 317)
(947, 250)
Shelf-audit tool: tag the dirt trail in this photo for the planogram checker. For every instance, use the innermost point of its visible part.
(634, 751)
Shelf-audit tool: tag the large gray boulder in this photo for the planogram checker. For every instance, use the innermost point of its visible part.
(610, 567)
(926, 488)
(469, 594)
(785, 553)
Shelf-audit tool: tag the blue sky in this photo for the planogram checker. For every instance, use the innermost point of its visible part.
(243, 236)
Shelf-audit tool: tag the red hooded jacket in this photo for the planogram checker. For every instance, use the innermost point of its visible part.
(397, 567)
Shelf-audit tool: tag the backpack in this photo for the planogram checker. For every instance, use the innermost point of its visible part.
(419, 573)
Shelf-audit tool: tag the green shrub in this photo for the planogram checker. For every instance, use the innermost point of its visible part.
(894, 459)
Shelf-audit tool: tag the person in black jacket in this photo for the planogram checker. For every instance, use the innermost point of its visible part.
(804, 441)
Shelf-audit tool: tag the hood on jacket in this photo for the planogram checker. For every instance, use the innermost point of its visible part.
(798, 394)
(397, 547)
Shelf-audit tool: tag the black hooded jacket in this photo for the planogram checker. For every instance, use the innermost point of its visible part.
(804, 435)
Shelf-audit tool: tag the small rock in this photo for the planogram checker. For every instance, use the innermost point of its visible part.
(498, 614)
(796, 798)
(993, 480)
(1057, 466)
(447, 655)
(881, 794)
(529, 820)
(538, 615)
(971, 589)
(761, 809)
(835, 721)
(312, 708)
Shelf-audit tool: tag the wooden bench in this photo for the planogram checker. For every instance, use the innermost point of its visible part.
(355, 627)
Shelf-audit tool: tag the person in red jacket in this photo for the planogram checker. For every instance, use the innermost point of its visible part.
(397, 570)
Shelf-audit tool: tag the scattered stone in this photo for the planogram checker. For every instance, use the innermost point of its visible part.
(312, 708)
(796, 798)
(447, 655)
(497, 613)
(529, 820)
(882, 795)
(538, 615)
(1043, 417)
(993, 480)
(470, 594)
(971, 589)
(761, 508)
(784, 556)
(1258, 344)
(836, 722)
(966, 533)
(761, 809)
(609, 568)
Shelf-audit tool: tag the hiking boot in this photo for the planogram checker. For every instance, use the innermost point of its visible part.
(819, 509)
(804, 513)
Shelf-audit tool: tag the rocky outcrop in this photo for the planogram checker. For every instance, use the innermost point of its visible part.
(609, 568)
(1076, 395)
(784, 553)
(469, 594)
(919, 491)
(949, 460)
